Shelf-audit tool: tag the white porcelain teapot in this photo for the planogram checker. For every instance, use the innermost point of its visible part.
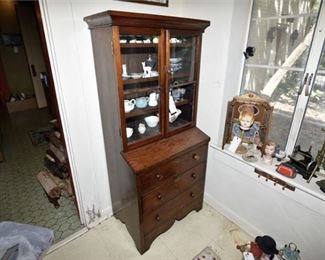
(153, 99)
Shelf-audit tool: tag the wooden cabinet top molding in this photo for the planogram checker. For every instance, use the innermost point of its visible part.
(128, 19)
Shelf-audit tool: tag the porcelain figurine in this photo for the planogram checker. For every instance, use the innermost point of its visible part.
(146, 70)
(142, 128)
(268, 152)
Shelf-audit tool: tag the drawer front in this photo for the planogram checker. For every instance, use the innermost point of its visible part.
(172, 188)
(169, 210)
(174, 167)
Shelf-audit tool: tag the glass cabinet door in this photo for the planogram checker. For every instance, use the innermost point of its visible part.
(141, 87)
(181, 80)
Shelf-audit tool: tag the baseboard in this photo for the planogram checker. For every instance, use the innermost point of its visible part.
(232, 216)
(67, 240)
(108, 212)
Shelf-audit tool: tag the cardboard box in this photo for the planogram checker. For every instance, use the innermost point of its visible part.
(21, 105)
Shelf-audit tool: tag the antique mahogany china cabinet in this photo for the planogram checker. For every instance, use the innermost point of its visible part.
(147, 69)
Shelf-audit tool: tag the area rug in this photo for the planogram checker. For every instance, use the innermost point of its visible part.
(207, 254)
(40, 136)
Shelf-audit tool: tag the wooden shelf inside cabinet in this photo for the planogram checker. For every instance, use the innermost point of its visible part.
(179, 75)
(181, 45)
(138, 45)
(135, 91)
(182, 84)
(179, 123)
(141, 111)
(182, 102)
(133, 81)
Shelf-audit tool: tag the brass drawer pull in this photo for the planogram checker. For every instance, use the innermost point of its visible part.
(193, 175)
(157, 218)
(192, 194)
(159, 196)
(158, 177)
(196, 157)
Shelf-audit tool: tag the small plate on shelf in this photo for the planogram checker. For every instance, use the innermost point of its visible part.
(136, 75)
(154, 73)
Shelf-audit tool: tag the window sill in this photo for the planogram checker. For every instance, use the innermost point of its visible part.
(298, 182)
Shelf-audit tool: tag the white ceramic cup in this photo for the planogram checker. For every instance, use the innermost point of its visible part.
(129, 132)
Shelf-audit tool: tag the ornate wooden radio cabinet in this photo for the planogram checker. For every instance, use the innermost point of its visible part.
(147, 70)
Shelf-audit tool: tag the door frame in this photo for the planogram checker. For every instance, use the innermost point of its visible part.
(56, 91)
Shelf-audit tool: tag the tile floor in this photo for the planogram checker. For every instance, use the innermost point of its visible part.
(22, 199)
(111, 241)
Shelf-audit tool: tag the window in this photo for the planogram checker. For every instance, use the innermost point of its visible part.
(288, 36)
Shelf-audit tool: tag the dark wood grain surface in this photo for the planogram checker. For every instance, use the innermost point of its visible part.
(147, 157)
(118, 18)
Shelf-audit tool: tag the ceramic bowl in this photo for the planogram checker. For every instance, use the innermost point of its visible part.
(175, 60)
(129, 132)
(152, 121)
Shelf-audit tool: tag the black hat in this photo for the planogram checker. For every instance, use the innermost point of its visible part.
(267, 245)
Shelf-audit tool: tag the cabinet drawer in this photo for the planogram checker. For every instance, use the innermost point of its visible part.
(172, 188)
(174, 167)
(169, 210)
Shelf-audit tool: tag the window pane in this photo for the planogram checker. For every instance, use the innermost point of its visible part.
(281, 42)
(284, 7)
(310, 132)
(282, 86)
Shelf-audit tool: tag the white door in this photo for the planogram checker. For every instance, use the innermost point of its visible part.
(29, 30)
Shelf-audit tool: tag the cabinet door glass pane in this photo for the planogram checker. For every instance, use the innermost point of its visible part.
(181, 80)
(311, 134)
(141, 86)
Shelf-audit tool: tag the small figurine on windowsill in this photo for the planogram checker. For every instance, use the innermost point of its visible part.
(268, 152)
(247, 130)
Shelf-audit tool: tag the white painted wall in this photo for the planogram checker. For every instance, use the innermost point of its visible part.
(262, 208)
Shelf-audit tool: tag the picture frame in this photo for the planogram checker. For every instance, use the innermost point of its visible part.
(149, 2)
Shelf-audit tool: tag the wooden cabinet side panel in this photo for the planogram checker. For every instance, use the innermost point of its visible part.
(121, 179)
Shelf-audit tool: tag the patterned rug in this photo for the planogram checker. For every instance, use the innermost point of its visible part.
(39, 136)
(207, 254)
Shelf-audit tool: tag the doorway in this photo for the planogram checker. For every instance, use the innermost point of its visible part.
(32, 148)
